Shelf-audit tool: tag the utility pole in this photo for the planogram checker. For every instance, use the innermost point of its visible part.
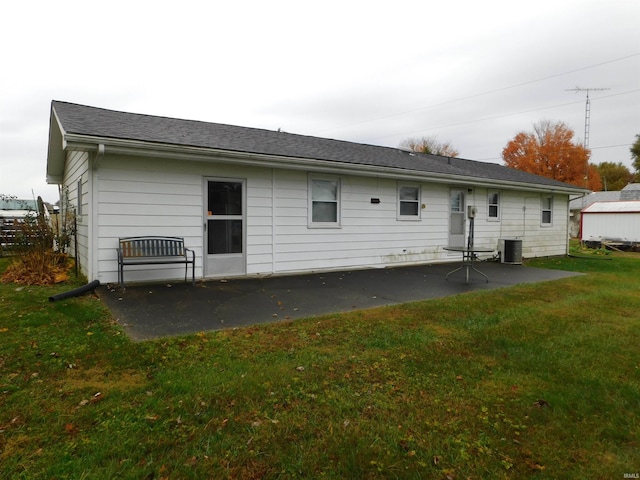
(587, 122)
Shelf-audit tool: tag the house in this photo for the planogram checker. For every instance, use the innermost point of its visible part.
(576, 205)
(612, 222)
(260, 202)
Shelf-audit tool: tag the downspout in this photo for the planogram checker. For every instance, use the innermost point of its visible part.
(582, 197)
(580, 213)
(567, 233)
(99, 154)
(75, 292)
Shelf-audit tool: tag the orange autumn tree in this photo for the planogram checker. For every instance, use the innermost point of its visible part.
(549, 151)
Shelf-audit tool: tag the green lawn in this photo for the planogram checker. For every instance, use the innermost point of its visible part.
(533, 381)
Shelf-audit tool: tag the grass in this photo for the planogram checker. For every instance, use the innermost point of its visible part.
(539, 381)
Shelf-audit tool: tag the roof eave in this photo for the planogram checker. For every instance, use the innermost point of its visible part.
(56, 150)
(204, 154)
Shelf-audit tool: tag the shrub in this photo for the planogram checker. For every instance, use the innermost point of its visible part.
(41, 249)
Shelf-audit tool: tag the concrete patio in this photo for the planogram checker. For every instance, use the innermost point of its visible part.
(151, 311)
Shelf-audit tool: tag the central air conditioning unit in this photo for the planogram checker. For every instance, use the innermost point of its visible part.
(510, 251)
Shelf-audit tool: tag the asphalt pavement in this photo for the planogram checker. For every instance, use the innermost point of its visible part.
(148, 311)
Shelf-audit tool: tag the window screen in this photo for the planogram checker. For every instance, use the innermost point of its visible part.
(409, 198)
(547, 210)
(494, 205)
(324, 200)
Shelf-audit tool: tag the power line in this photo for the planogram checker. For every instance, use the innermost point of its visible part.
(611, 146)
(489, 92)
(496, 116)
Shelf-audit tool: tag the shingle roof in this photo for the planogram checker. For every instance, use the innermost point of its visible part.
(584, 201)
(97, 122)
(630, 192)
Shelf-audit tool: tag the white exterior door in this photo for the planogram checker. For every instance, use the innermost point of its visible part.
(456, 219)
(224, 227)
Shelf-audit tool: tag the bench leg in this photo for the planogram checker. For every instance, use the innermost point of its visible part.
(193, 273)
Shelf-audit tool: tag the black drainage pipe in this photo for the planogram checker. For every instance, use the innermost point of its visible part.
(76, 292)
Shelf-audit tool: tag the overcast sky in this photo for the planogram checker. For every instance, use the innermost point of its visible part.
(473, 73)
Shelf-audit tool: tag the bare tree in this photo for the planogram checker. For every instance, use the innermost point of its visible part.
(431, 145)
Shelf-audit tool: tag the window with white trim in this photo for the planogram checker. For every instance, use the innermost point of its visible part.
(546, 210)
(324, 202)
(493, 206)
(408, 202)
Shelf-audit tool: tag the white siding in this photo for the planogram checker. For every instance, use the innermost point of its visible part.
(370, 234)
(521, 218)
(138, 196)
(623, 227)
(161, 197)
(77, 173)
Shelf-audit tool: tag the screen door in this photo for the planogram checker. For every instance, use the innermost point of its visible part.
(456, 219)
(224, 233)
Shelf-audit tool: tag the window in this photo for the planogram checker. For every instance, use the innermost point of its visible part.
(408, 201)
(494, 206)
(324, 202)
(547, 209)
(224, 217)
(224, 198)
(79, 193)
(457, 201)
(456, 218)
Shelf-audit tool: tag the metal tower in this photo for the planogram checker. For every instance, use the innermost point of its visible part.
(587, 111)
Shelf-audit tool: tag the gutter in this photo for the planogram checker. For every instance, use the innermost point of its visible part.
(202, 154)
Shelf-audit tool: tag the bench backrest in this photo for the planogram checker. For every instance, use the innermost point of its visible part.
(152, 247)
